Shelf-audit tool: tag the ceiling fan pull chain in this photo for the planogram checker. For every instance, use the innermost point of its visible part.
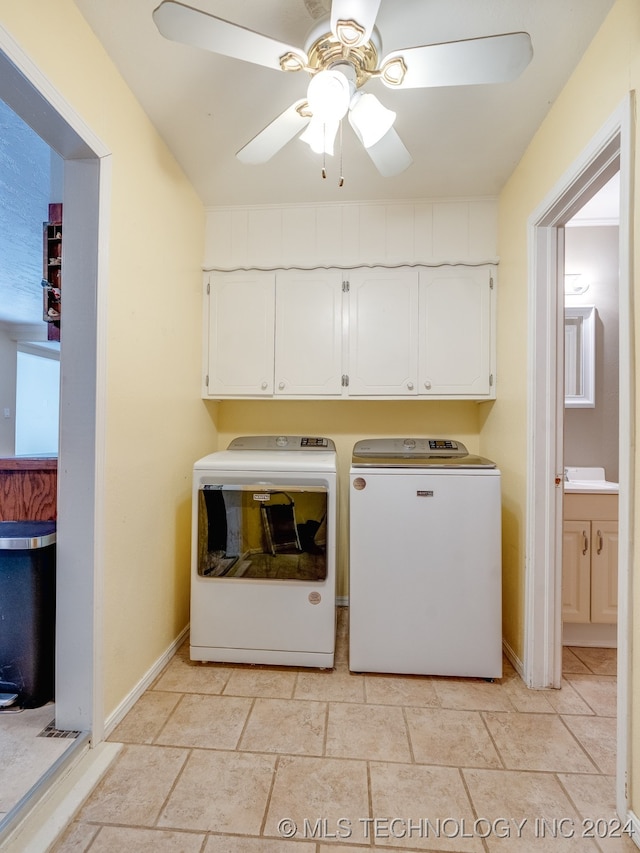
(341, 181)
(324, 152)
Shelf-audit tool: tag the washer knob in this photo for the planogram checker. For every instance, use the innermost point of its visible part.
(409, 443)
(282, 441)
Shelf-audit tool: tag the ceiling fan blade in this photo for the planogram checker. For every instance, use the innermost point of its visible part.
(492, 59)
(389, 154)
(362, 12)
(181, 23)
(274, 136)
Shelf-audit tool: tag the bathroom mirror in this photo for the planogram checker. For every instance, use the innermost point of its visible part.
(580, 357)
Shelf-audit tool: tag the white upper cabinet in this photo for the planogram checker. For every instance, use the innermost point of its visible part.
(402, 332)
(308, 339)
(383, 332)
(455, 331)
(239, 343)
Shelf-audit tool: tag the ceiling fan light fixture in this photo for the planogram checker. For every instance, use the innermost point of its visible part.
(329, 95)
(320, 136)
(369, 118)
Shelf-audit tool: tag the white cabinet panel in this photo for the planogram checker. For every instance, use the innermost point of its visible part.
(604, 571)
(241, 334)
(576, 571)
(383, 332)
(455, 331)
(308, 341)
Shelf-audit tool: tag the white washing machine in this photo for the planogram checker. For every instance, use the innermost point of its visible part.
(263, 564)
(425, 559)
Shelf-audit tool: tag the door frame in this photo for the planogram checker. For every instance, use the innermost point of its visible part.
(81, 468)
(611, 150)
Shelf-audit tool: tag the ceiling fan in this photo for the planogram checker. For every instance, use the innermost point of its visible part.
(341, 54)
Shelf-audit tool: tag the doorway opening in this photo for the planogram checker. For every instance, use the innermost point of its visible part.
(608, 153)
(78, 674)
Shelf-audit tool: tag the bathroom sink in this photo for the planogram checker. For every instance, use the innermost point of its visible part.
(588, 480)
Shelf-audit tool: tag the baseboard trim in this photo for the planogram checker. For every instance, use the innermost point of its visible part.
(632, 817)
(513, 659)
(150, 676)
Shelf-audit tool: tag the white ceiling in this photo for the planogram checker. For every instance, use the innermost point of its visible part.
(465, 141)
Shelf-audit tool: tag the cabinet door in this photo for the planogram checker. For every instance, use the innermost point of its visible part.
(576, 571)
(241, 317)
(604, 571)
(308, 344)
(383, 332)
(455, 332)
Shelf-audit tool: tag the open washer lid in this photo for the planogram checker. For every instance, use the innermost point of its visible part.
(415, 453)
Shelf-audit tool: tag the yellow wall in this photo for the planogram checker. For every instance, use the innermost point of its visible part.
(608, 71)
(156, 425)
(347, 421)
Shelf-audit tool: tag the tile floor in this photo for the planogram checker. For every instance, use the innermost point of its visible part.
(241, 759)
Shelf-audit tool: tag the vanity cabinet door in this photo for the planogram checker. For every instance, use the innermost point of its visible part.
(240, 334)
(383, 333)
(576, 571)
(604, 571)
(455, 332)
(308, 336)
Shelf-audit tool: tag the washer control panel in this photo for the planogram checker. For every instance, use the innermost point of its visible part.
(281, 442)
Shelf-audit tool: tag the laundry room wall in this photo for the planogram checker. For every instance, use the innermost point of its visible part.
(155, 423)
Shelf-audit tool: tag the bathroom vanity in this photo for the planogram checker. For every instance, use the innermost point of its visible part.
(589, 558)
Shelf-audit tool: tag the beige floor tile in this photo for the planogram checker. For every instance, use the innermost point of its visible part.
(598, 661)
(120, 838)
(571, 662)
(185, 676)
(317, 789)
(145, 720)
(254, 681)
(337, 686)
(513, 805)
(595, 799)
(76, 838)
(367, 731)
(411, 793)
(598, 736)
(289, 726)
(453, 738)
(599, 692)
(525, 700)
(135, 786)
(567, 700)
(400, 690)
(470, 695)
(229, 844)
(207, 722)
(537, 742)
(220, 792)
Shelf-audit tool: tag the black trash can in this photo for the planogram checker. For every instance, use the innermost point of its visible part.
(27, 611)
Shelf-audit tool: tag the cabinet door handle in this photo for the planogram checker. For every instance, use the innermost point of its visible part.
(585, 542)
(410, 386)
(281, 385)
(264, 386)
(600, 543)
(427, 385)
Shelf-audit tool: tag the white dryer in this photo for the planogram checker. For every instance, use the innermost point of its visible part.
(425, 559)
(263, 564)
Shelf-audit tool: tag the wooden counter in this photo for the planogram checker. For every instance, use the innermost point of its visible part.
(28, 488)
